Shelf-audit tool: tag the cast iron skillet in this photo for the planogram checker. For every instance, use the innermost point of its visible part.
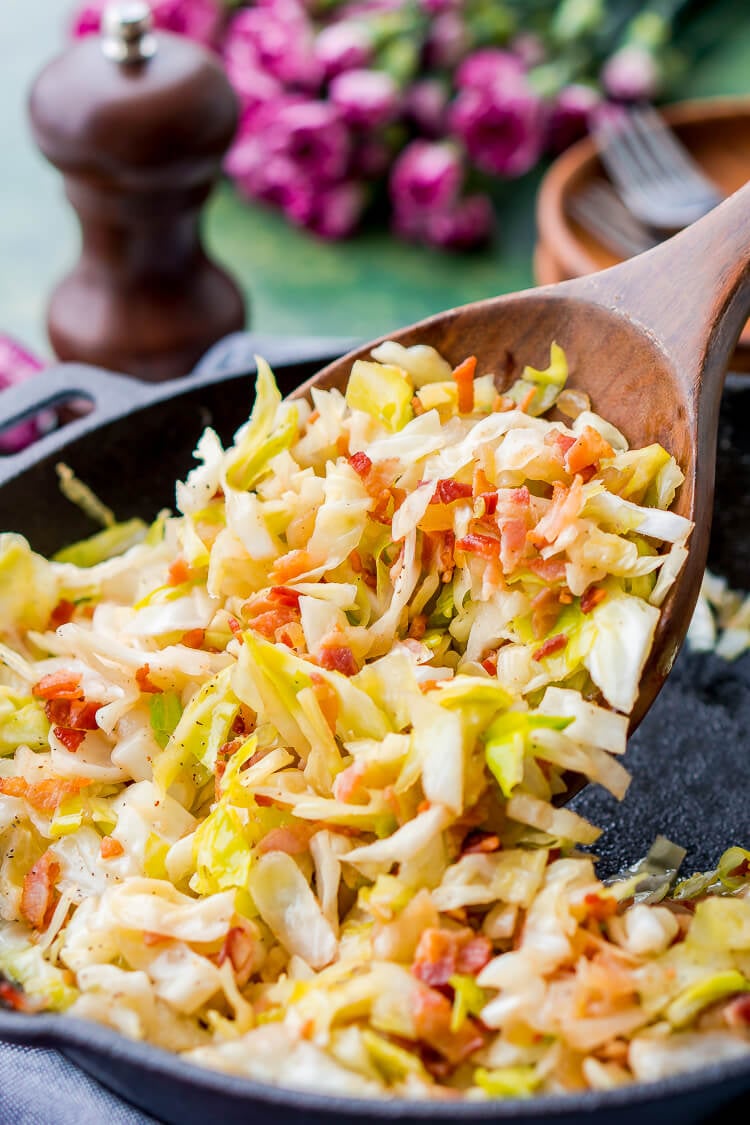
(690, 757)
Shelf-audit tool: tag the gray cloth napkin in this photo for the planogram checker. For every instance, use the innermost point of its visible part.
(38, 1086)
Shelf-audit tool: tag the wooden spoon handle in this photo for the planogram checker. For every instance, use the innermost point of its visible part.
(692, 292)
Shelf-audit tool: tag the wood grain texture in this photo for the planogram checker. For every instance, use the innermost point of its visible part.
(649, 340)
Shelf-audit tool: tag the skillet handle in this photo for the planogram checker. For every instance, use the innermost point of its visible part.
(115, 396)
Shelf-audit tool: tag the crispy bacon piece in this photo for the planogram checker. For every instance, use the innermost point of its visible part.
(559, 441)
(235, 627)
(490, 663)
(442, 953)
(545, 610)
(591, 598)
(566, 503)
(432, 1020)
(483, 545)
(44, 795)
(38, 897)
(551, 570)
(11, 996)
(77, 714)
(418, 626)
(599, 907)
(448, 491)
(551, 646)
(285, 595)
(62, 613)
(110, 848)
(152, 938)
(71, 739)
(241, 949)
(512, 543)
(289, 566)
(480, 843)
(327, 699)
(348, 781)
(178, 572)
(59, 685)
(267, 623)
(338, 658)
(143, 681)
(293, 839)
(588, 450)
(361, 464)
(194, 638)
(464, 377)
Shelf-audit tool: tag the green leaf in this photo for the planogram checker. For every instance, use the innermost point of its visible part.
(114, 540)
(381, 390)
(264, 435)
(165, 711)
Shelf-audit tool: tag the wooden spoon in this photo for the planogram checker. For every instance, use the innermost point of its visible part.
(649, 341)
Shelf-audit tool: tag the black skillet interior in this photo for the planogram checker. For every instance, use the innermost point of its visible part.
(690, 758)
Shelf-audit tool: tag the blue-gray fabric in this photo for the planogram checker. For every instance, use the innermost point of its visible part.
(40, 1087)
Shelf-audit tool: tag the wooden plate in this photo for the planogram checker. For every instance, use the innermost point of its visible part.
(717, 133)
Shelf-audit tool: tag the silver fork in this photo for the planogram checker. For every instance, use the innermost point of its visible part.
(600, 211)
(654, 173)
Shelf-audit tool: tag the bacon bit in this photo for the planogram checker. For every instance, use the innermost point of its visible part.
(545, 610)
(474, 954)
(44, 795)
(432, 1021)
(152, 938)
(600, 907)
(566, 503)
(446, 545)
(290, 566)
(236, 629)
(416, 405)
(418, 626)
(436, 956)
(349, 781)
(480, 843)
(328, 700)
(240, 948)
(589, 449)
(75, 714)
(59, 685)
(342, 445)
(61, 614)
(566, 598)
(194, 638)
(550, 646)
(490, 663)
(448, 491)
(110, 848)
(560, 442)
(501, 404)
(267, 623)
(143, 681)
(512, 543)
(285, 595)
(355, 561)
(551, 570)
(178, 572)
(480, 482)
(464, 376)
(737, 1013)
(338, 658)
(38, 897)
(483, 545)
(294, 839)
(361, 464)
(71, 739)
(11, 996)
(591, 598)
(485, 504)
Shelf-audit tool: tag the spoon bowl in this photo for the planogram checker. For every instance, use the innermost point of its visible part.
(649, 341)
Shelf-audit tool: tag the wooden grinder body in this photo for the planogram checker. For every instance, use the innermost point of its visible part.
(140, 144)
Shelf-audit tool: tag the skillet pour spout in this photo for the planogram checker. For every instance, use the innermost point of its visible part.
(649, 341)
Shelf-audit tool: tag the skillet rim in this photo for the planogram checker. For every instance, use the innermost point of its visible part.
(80, 1040)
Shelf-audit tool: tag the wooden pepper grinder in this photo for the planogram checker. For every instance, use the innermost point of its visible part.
(138, 123)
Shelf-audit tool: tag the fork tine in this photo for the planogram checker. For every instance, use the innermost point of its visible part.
(599, 210)
(674, 159)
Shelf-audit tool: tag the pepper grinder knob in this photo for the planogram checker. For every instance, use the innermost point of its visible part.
(138, 122)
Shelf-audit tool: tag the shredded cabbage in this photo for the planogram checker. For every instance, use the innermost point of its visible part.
(280, 776)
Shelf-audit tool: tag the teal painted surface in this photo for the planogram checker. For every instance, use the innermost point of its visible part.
(296, 284)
